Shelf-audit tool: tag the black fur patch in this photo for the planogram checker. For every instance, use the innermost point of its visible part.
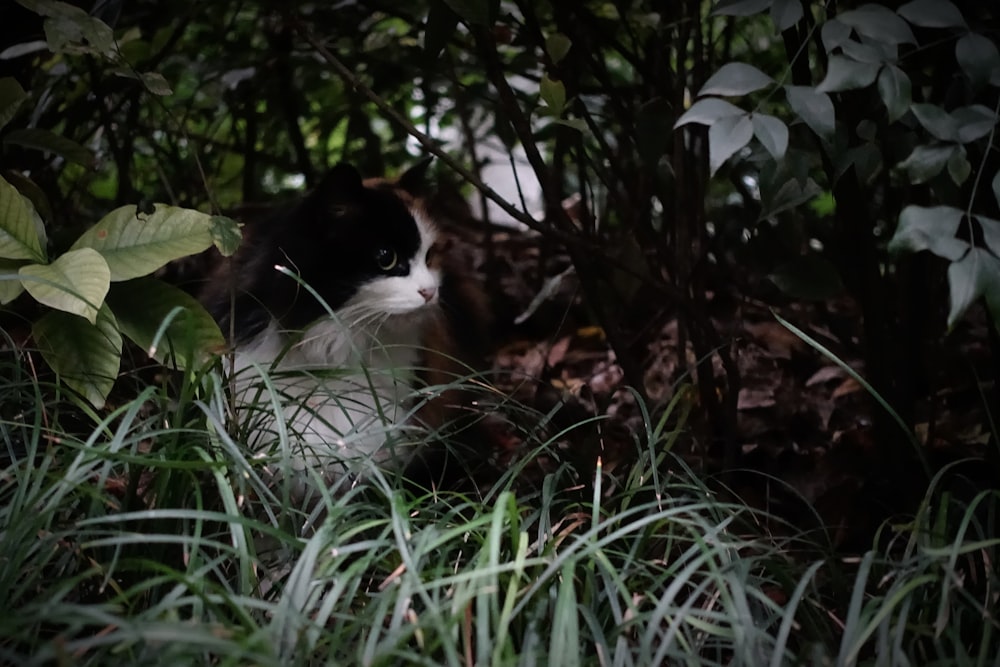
(330, 240)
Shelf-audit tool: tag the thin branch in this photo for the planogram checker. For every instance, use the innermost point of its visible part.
(428, 144)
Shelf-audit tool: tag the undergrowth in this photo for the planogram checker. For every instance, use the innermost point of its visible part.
(146, 535)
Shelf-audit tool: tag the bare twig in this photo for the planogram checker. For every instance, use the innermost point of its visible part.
(425, 141)
(568, 238)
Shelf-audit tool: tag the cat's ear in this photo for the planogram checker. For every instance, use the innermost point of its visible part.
(342, 185)
(415, 180)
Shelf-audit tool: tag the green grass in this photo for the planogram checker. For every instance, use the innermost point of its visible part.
(148, 537)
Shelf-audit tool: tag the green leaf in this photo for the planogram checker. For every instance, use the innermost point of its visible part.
(896, 91)
(878, 23)
(475, 12)
(979, 58)
(726, 136)
(974, 122)
(19, 234)
(809, 278)
(577, 124)
(226, 234)
(846, 74)
(69, 29)
(996, 189)
(36, 198)
(926, 162)
(991, 233)
(45, 140)
(772, 133)
(557, 45)
(136, 244)
(932, 14)
(85, 356)
(143, 307)
(553, 93)
(933, 228)
(155, 83)
(707, 111)
(734, 79)
(867, 161)
(958, 165)
(439, 28)
(565, 643)
(76, 282)
(11, 97)
(10, 282)
(975, 275)
(937, 121)
(814, 107)
(875, 53)
(740, 7)
(790, 195)
(23, 49)
(786, 13)
(834, 34)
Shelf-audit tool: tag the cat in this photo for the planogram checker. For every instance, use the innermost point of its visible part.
(338, 303)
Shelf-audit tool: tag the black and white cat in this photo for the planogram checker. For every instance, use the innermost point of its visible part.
(330, 308)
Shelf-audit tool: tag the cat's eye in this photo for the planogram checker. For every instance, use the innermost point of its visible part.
(386, 259)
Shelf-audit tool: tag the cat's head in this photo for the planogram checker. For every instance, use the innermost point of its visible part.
(366, 247)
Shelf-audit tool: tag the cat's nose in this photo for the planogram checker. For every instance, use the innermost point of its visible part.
(427, 292)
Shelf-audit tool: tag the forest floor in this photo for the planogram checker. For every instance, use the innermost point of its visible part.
(804, 424)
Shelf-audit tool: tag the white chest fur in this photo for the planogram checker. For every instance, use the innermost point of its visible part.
(336, 396)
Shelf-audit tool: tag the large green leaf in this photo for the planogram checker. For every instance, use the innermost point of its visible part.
(553, 93)
(933, 228)
(143, 307)
(896, 91)
(932, 14)
(45, 140)
(735, 79)
(979, 58)
(926, 162)
(726, 136)
(879, 24)
(19, 234)
(786, 13)
(772, 133)
(974, 122)
(69, 29)
(834, 34)
(36, 197)
(991, 231)
(86, 356)
(557, 45)
(707, 111)
(10, 281)
(135, 244)
(847, 74)
(11, 97)
(815, 108)
(76, 282)
(937, 121)
(976, 274)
